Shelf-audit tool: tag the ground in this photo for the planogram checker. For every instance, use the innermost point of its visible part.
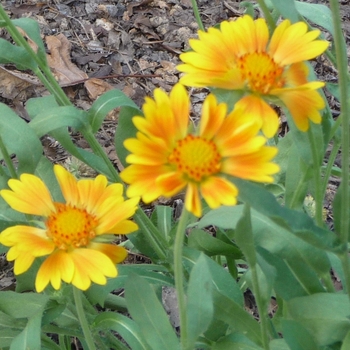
(128, 45)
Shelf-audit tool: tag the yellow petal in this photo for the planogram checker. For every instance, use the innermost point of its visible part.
(124, 227)
(171, 183)
(29, 195)
(116, 253)
(218, 191)
(23, 262)
(212, 117)
(68, 184)
(91, 266)
(192, 200)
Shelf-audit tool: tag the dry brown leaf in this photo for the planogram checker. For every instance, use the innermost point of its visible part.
(14, 84)
(96, 87)
(66, 72)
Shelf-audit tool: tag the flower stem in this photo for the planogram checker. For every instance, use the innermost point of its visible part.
(7, 159)
(82, 319)
(178, 272)
(317, 179)
(270, 22)
(197, 15)
(43, 72)
(342, 65)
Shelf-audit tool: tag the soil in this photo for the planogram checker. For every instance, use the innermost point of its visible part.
(133, 46)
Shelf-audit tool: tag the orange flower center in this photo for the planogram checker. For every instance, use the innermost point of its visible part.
(70, 227)
(260, 72)
(195, 157)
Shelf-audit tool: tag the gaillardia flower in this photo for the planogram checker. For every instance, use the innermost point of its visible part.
(166, 158)
(72, 237)
(241, 56)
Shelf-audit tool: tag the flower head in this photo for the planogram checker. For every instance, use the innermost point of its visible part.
(72, 237)
(166, 158)
(240, 55)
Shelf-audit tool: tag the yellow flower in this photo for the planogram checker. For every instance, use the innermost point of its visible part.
(72, 238)
(240, 56)
(166, 158)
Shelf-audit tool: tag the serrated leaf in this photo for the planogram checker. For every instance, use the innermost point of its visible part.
(19, 139)
(104, 104)
(149, 314)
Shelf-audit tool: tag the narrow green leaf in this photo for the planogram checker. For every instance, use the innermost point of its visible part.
(279, 344)
(235, 341)
(326, 316)
(37, 105)
(104, 104)
(236, 317)
(287, 9)
(297, 337)
(199, 300)
(22, 305)
(346, 342)
(56, 118)
(14, 54)
(125, 130)
(316, 13)
(244, 236)
(154, 274)
(29, 338)
(298, 223)
(32, 30)
(221, 279)
(224, 217)
(204, 242)
(164, 219)
(149, 314)
(19, 139)
(124, 326)
(7, 336)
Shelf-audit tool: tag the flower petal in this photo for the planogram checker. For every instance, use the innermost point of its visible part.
(116, 253)
(29, 195)
(68, 184)
(218, 191)
(192, 200)
(170, 183)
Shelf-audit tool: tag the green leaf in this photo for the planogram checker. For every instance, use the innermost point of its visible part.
(104, 104)
(32, 29)
(37, 105)
(56, 118)
(14, 54)
(148, 313)
(235, 341)
(7, 336)
(19, 139)
(152, 273)
(199, 300)
(29, 338)
(297, 223)
(287, 9)
(297, 337)
(22, 305)
(124, 326)
(279, 344)
(210, 245)
(326, 316)
(164, 219)
(125, 130)
(224, 217)
(230, 97)
(316, 13)
(346, 342)
(225, 309)
(222, 280)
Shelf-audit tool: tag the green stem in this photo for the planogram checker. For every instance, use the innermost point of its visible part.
(342, 65)
(264, 326)
(82, 319)
(197, 15)
(270, 22)
(43, 72)
(7, 159)
(179, 278)
(317, 179)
